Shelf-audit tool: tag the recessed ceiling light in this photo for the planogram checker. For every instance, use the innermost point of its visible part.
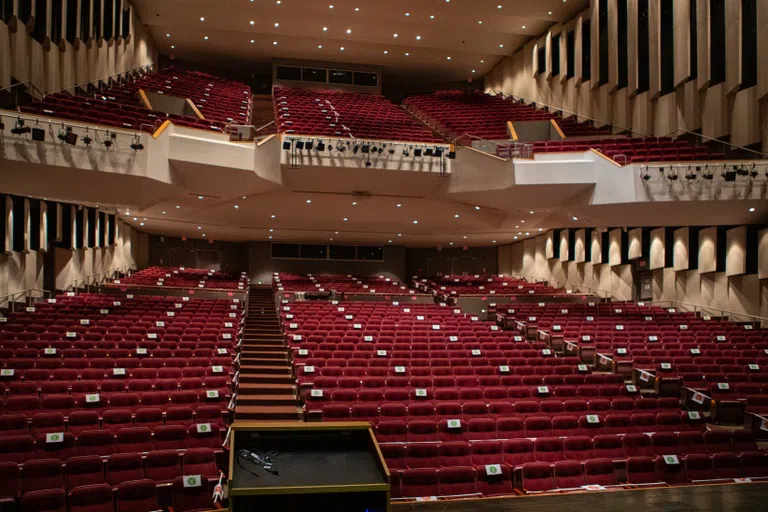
(389, 241)
(550, 13)
(274, 42)
(335, 232)
(206, 38)
(319, 46)
(349, 31)
(575, 218)
(522, 221)
(135, 218)
(270, 237)
(243, 197)
(354, 203)
(501, 46)
(252, 41)
(394, 35)
(527, 233)
(167, 35)
(541, 229)
(141, 223)
(407, 14)
(342, 48)
(450, 243)
(399, 205)
(399, 234)
(252, 22)
(330, 239)
(173, 46)
(330, 7)
(237, 207)
(345, 219)
(277, 24)
(479, 22)
(199, 197)
(357, 9)
(418, 38)
(518, 226)
(473, 70)
(481, 61)
(465, 237)
(163, 213)
(515, 238)
(386, 52)
(325, 29)
(456, 216)
(498, 6)
(177, 206)
(477, 207)
(531, 212)
(273, 215)
(202, 19)
(278, 2)
(271, 230)
(494, 241)
(199, 227)
(448, 58)
(432, 16)
(415, 222)
(407, 54)
(752, 209)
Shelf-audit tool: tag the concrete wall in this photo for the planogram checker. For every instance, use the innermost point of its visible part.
(718, 111)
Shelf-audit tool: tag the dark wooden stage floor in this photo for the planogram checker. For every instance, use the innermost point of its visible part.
(752, 497)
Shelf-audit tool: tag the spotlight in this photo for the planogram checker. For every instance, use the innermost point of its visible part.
(672, 174)
(753, 172)
(309, 145)
(366, 148)
(299, 144)
(428, 151)
(321, 146)
(287, 145)
(20, 128)
(63, 133)
(438, 152)
(690, 175)
(356, 148)
(417, 152)
(741, 171)
(406, 152)
(645, 174)
(108, 139)
(381, 150)
(392, 150)
(368, 163)
(87, 138)
(452, 155)
(729, 175)
(136, 145)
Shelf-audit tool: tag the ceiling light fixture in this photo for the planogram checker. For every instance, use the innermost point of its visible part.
(432, 16)
(169, 35)
(163, 213)
(141, 223)
(479, 22)
(342, 48)
(575, 218)
(271, 230)
(309, 201)
(199, 227)
(273, 215)
(357, 9)
(330, 7)
(177, 206)
(394, 35)
(498, 6)
(751, 209)
(473, 70)
(477, 207)
(202, 19)
(418, 38)
(415, 222)
(386, 52)
(173, 46)
(407, 14)
(448, 58)
(325, 29)
(349, 31)
(407, 54)
(456, 216)
(319, 46)
(277, 24)
(205, 38)
(199, 197)
(252, 22)
(237, 207)
(345, 219)
(540, 229)
(399, 234)
(252, 41)
(274, 43)
(399, 205)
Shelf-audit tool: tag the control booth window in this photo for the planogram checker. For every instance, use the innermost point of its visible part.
(313, 252)
(343, 252)
(288, 73)
(314, 75)
(336, 76)
(370, 253)
(366, 79)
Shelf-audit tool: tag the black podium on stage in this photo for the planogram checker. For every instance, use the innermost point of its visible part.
(310, 466)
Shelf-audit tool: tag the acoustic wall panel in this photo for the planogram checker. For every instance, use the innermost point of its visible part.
(8, 224)
(762, 254)
(563, 242)
(708, 250)
(549, 245)
(635, 249)
(736, 251)
(615, 248)
(43, 226)
(657, 252)
(680, 251)
(580, 247)
(596, 247)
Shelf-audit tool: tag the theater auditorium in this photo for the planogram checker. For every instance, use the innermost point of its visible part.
(404, 256)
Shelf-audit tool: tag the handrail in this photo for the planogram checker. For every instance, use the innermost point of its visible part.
(98, 277)
(27, 294)
(610, 294)
(262, 127)
(720, 141)
(526, 152)
(561, 109)
(722, 312)
(145, 67)
(27, 83)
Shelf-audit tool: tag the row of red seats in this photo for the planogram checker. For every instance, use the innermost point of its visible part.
(338, 283)
(516, 452)
(182, 277)
(539, 477)
(467, 427)
(110, 419)
(160, 466)
(63, 445)
(130, 496)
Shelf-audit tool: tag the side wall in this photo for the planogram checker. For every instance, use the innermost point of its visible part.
(724, 110)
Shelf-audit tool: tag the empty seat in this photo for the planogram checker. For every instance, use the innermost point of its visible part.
(537, 477)
(192, 494)
(91, 498)
(122, 467)
(163, 466)
(47, 500)
(137, 496)
(41, 474)
(85, 470)
(641, 470)
(457, 481)
(419, 483)
(133, 440)
(568, 474)
(600, 472)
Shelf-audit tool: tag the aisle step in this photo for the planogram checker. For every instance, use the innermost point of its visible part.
(254, 388)
(269, 412)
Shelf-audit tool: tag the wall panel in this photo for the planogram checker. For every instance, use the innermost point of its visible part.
(657, 251)
(708, 250)
(736, 251)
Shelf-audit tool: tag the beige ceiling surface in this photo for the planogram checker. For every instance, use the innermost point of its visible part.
(474, 34)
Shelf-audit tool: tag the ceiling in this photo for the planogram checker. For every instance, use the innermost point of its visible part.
(445, 39)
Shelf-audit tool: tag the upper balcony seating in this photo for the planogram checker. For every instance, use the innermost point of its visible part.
(221, 101)
(484, 116)
(345, 114)
(461, 285)
(180, 277)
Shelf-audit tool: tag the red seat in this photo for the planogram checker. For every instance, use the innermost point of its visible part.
(568, 474)
(85, 470)
(537, 477)
(41, 474)
(91, 498)
(192, 494)
(47, 500)
(122, 467)
(137, 496)
(600, 472)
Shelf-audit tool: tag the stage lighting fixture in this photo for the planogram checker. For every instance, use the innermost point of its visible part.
(392, 150)
(366, 148)
(753, 172)
(63, 133)
(299, 144)
(438, 152)
(340, 147)
(417, 152)
(108, 139)
(356, 149)
(38, 134)
(741, 171)
(136, 145)
(20, 128)
(87, 138)
(428, 151)
(71, 138)
(287, 145)
(690, 175)
(672, 174)
(729, 175)
(321, 146)
(452, 155)
(309, 145)
(368, 163)
(406, 152)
